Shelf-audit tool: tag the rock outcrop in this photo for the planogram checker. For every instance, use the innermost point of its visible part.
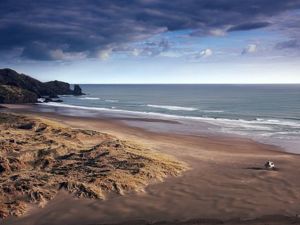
(14, 95)
(59, 87)
(77, 90)
(12, 78)
(28, 88)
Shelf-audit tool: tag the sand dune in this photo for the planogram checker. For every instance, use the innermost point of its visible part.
(40, 157)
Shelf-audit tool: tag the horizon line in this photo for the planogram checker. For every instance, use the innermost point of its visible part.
(186, 83)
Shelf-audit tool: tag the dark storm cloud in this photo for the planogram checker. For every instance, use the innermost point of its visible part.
(249, 26)
(42, 29)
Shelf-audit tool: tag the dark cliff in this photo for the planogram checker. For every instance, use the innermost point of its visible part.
(59, 87)
(13, 95)
(12, 78)
(21, 88)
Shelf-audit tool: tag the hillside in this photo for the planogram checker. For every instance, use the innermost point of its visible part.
(14, 95)
(21, 88)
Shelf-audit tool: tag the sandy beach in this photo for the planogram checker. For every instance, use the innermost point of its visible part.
(226, 182)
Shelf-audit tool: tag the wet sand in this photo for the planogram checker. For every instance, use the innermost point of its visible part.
(226, 182)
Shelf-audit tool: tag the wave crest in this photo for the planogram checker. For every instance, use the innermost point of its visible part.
(173, 108)
(90, 98)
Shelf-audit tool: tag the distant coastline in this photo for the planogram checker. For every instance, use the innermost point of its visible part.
(17, 88)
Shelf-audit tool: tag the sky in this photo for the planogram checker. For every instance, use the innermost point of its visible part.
(152, 41)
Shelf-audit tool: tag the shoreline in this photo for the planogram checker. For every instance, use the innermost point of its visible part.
(225, 182)
(117, 125)
(153, 124)
(259, 130)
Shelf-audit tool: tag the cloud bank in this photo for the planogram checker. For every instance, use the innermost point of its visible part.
(78, 29)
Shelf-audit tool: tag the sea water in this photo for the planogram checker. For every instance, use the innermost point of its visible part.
(266, 113)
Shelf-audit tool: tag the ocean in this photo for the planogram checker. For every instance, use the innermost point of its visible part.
(265, 113)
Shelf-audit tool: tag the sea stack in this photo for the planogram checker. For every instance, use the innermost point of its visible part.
(77, 90)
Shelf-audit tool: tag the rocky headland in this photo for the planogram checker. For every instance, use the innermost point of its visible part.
(39, 157)
(21, 88)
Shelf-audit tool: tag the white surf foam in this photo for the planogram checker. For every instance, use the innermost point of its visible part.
(283, 122)
(90, 98)
(213, 111)
(172, 107)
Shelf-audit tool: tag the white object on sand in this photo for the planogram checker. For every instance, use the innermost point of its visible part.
(269, 165)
